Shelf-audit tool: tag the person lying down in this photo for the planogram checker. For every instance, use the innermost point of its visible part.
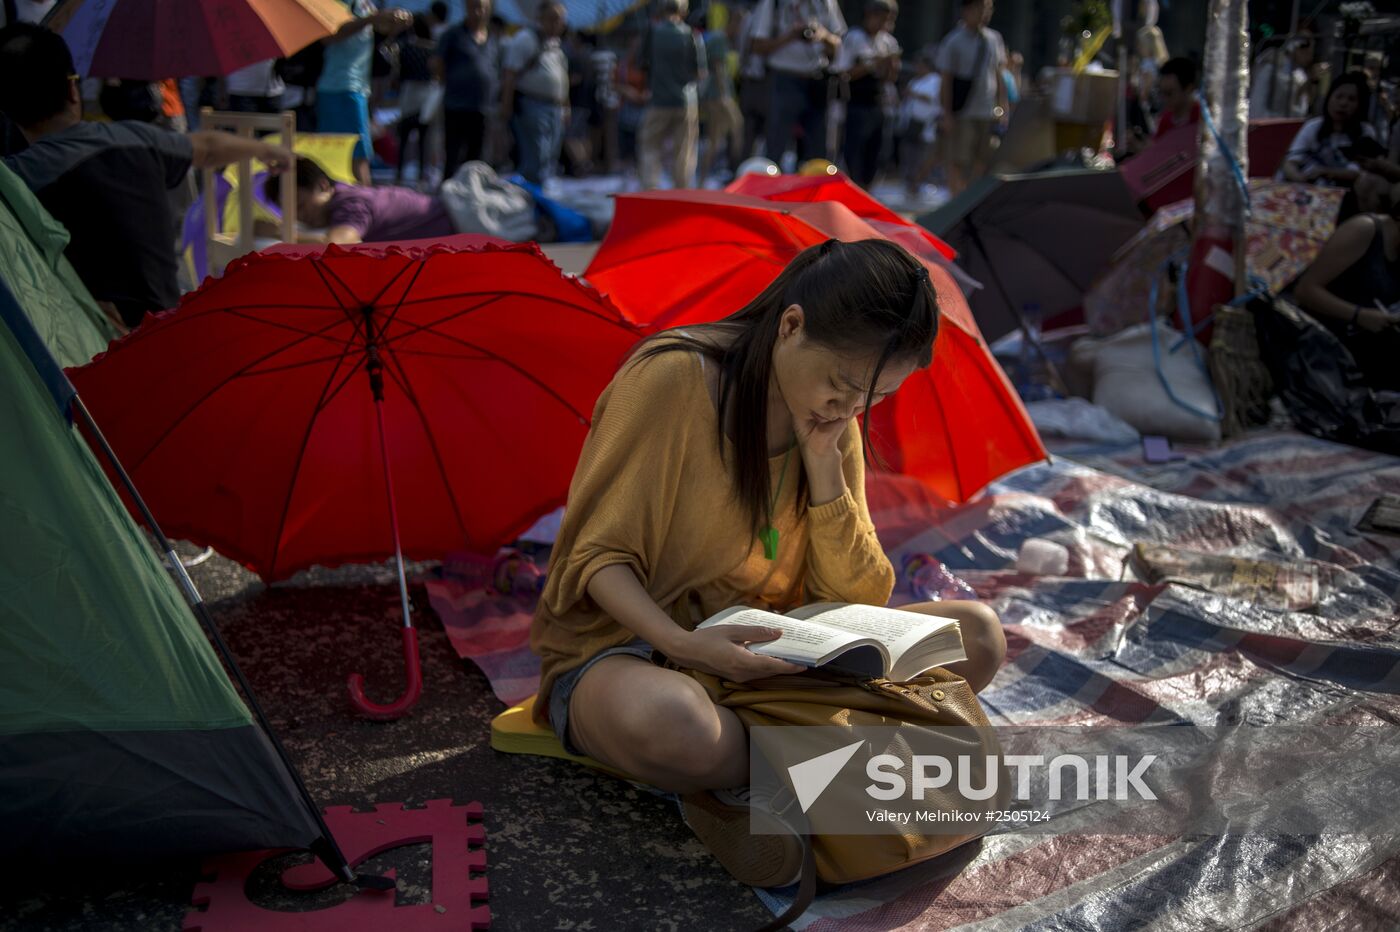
(474, 200)
(352, 214)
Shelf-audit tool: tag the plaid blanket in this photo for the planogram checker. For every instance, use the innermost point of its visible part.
(1093, 647)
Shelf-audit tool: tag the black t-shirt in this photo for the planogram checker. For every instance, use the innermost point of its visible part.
(107, 183)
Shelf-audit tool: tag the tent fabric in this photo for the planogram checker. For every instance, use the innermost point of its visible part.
(43, 280)
(119, 731)
(1035, 239)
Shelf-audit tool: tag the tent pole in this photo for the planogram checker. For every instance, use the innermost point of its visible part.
(326, 847)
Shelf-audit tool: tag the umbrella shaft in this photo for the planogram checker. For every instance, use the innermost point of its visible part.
(393, 512)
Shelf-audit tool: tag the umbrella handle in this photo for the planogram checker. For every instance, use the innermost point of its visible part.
(413, 672)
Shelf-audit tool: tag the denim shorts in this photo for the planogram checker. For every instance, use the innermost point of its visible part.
(563, 689)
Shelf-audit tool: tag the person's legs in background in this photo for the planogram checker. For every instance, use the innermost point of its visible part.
(864, 126)
(980, 160)
(754, 96)
(409, 124)
(524, 126)
(539, 133)
(649, 141)
(813, 144)
(787, 100)
(347, 112)
(555, 125)
(687, 140)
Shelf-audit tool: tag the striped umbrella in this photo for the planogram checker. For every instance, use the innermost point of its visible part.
(150, 40)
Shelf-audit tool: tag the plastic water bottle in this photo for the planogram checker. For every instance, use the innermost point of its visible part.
(1041, 557)
(931, 581)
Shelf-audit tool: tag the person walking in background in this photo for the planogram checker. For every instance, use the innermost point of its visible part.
(415, 87)
(607, 104)
(468, 60)
(970, 63)
(719, 111)
(342, 92)
(799, 38)
(673, 58)
(535, 92)
(1176, 91)
(869, 62)
(754, 89)
(1279, 82)
(920, 113)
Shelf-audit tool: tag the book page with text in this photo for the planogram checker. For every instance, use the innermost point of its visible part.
(802, 641)
(893, 627)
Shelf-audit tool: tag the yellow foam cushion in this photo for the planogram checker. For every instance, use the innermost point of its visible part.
(515, 731)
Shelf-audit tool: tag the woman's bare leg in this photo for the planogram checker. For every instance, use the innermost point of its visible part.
(982, 635)
(658, 726)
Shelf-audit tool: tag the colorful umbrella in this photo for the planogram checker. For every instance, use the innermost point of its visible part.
(145, 40)
(329, 405)
(1288, 223)
(843, 190)
(678, 257)
(1035, 240)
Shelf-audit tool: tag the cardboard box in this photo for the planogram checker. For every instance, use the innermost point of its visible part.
(1083, 98)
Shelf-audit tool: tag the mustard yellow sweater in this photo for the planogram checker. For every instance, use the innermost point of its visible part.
(650, 492)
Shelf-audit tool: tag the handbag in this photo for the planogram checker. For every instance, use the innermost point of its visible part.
(937, 698)
(962, 87)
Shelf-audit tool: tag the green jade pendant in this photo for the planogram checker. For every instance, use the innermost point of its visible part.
(769, 536)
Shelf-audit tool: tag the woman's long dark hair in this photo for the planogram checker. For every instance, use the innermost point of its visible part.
(1353, 127)
(864, 297)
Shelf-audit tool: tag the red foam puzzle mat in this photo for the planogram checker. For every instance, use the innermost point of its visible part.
(459, 889)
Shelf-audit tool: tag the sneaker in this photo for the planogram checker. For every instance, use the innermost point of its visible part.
(720, 818)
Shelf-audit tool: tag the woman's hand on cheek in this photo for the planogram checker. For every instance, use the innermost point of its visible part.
(818, 439)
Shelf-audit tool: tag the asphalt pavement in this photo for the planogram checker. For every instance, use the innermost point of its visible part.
(567, 849)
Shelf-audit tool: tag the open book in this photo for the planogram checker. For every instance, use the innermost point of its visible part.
(863, 639)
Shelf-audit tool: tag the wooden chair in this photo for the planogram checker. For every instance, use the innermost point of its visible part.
(223, 248)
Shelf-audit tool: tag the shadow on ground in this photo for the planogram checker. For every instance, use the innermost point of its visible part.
(566, 849)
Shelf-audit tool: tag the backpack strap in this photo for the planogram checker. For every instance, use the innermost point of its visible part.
(806, 890)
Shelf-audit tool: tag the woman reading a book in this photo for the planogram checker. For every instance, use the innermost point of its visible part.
(725, 466)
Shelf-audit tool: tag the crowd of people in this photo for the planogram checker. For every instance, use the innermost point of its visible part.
(684, 99)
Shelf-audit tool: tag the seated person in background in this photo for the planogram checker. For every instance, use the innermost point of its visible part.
(1353, 288)
(1328, 149)
(1176, 89)
(352, 214)
(106, 182)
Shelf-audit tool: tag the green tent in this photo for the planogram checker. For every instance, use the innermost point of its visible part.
(120, 732)
(42, 279)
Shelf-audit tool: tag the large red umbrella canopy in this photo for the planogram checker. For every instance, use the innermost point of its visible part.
(247, 414)
(150, 40)
(678, 257)
(842, 190)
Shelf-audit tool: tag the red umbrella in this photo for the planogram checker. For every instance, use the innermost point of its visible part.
(677, 257)
(317, 405)
(842, 190)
